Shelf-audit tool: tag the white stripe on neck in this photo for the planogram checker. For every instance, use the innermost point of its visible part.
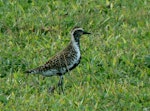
(76, 47)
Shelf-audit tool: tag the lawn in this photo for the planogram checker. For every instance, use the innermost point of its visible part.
(114, 73)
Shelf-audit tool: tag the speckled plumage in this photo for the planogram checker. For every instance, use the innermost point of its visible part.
(63, 61)
(60, 62)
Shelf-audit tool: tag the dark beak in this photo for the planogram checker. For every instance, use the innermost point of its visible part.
(86, 32)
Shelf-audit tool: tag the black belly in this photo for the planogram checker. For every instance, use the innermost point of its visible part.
(67, 70)
(74, 65)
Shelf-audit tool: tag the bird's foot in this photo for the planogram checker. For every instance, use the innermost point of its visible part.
(51, 89)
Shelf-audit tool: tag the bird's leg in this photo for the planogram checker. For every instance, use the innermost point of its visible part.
(60, 84)
(51, 89)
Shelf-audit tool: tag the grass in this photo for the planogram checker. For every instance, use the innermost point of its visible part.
(114, 72)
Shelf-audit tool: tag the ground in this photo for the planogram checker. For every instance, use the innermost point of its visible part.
(114, 71)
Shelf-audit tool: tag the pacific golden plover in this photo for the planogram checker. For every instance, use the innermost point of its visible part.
(64, 61)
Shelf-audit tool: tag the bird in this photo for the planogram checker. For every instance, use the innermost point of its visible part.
(64, 61)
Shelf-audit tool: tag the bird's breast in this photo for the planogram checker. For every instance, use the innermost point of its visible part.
(74, 58)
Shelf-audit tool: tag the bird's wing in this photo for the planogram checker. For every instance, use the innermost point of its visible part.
(60, 60)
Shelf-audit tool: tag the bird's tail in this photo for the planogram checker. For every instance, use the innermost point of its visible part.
(32, 71)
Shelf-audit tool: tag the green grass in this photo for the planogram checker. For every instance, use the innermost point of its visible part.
(114, 72)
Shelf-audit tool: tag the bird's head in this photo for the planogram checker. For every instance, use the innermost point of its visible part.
(78, 32)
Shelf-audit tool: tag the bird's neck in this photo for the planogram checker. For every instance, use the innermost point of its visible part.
(75, 40)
